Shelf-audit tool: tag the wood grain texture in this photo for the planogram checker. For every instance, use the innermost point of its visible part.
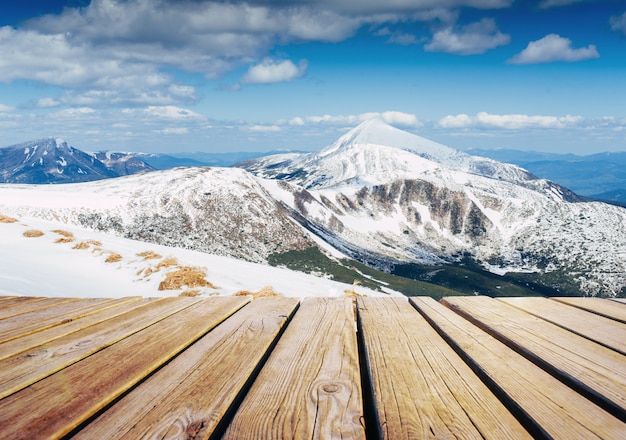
(422, 388)
(44, 337)
(79, 391)
(190, 396)
(19, 371)
(558, 410)
(310, 386)
(31, 322)
(29, 306)
(602, 330)
(614, 309)
(8, 301)
(581, 362)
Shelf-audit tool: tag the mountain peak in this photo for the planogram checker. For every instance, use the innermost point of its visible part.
(376, 131)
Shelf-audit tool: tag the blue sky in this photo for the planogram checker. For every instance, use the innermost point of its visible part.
(198, 75)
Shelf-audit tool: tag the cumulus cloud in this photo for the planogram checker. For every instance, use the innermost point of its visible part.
(552, 48)
(173, 130)
(273, 71)
(472, 39)
(390, 117)
(6, 108)
(508, 122)
(265, 128)
(47, 103)
(618, 23)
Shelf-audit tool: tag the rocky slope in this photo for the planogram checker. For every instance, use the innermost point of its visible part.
(391, 197)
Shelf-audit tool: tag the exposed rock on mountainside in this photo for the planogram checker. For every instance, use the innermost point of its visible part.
(379, 191)
(380, 195)
(216, 210)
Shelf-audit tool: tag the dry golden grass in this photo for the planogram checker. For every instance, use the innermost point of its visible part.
(63, 233)
(113, 258)
(149, 255)
(190, 293)
(185, 276)
(32, 233)
(352, 293)
(6, 219)
(265, 292)
(64, 240)
(85, 244)
(167, 262)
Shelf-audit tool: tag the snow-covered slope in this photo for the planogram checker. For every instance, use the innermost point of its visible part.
(382, 192)
(380, 195)
(48, 258)
(224, 211)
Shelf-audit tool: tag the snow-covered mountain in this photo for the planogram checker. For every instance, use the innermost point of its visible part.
(388, 196)
(52, 160)
(379, 195)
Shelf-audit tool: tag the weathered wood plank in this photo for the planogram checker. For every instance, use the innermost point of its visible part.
(27, 367)
(29, 306)
(548, 407)
(611, 309)
(421, 387)
(190, 396)
(310, 385)
(7, 301)
(620, 300)
(31, 322)
(593, 369)
(602, 330)
(24, 343)
(80, 391)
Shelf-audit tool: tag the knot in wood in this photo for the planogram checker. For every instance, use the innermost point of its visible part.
(331, 388)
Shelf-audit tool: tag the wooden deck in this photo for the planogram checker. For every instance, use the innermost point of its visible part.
(281, 368)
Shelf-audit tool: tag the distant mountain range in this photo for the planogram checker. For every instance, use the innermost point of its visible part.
(52, 160)
(377, 198)
(600, 176)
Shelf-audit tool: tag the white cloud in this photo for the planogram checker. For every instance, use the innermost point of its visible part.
(618, 23)
(508, 122)
(171, 112)
(173, 130)
(6, 108)
(265, 128)
(390, 117)
(475, 38)
(273, 71)
(553, 48)
(47, 103)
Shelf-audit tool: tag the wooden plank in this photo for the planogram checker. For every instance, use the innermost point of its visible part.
(7, 301)
(59, 404)
(310, 386)
(605, 331)
(592, 369)
(548, 408)
(611, 309)
(190, 396)
(29, 306)
(24, 343)
(21, 370)
(620, 300)
(38, 320)
(421, 387)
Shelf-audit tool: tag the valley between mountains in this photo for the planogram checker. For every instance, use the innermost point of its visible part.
(381, 206)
